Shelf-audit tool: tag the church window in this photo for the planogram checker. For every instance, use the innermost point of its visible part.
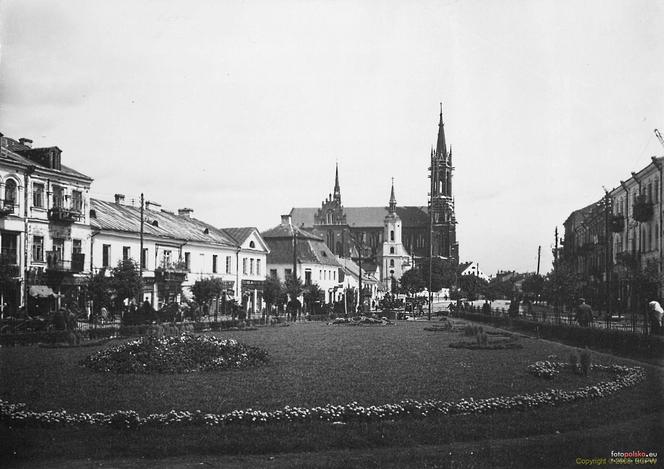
(391, 250)
(391, 262)
(391, 235)
(329, 218)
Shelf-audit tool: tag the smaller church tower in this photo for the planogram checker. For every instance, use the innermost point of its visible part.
(395, 258)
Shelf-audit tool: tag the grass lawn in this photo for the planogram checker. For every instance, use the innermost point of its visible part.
(314, 364)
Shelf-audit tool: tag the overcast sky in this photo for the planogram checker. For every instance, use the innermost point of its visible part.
(240, 109)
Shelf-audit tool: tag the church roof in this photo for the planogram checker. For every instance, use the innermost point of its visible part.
(365, 217)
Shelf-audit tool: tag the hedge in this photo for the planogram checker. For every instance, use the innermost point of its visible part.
(105, 332)
(618, 341)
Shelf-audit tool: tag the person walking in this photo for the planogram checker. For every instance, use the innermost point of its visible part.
(656, 314)
(584, 313)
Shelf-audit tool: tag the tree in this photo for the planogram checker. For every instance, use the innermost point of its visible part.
(472, 285)
(412, 281)
(294, 286)
(100, 291)
(499, 289)
(313, 294)
(273, 291)
(127, 281)
(533, 286)
(443, 273)
(207, 289)
(561, 285)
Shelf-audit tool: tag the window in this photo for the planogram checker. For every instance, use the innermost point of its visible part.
(252, 244)
(38, 248)
(288, 272)
(307, 277)
(273, 273)
(214, 263)
(258, 266)
(77, 200)
(391, 262)
(228, 264)
(58, 196)
(656, 192)
(244, 266)
(58, 249)
(334, 275)
(649, 192)
(38, 195)
(106, 255)
(10, 192)
(126, 253)
(144, 258)
(392, 250)
(76, 247)
(251, 266)
(166, 258)
(187, 261)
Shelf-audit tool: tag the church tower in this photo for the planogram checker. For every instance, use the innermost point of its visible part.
(330, 221)
(441, 201)
(395, 258)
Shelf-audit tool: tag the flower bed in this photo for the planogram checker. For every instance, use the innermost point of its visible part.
(494, 345)
(18, 415)
(175, 354)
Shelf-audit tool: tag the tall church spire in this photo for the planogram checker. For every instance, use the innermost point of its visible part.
(337, 189)
(441, 148)
(393, 199)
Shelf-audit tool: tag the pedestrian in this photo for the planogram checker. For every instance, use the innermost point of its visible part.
(656, 313)
(584, 313)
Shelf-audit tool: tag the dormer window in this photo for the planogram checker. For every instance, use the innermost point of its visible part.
(206, 231)
(155, 223)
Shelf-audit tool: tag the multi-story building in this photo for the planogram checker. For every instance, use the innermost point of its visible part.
(177, 250)
(44, 227)
(615, 244)
(344, 228)
(314, 262)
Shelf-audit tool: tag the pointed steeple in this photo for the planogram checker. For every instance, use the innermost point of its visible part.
(337, 189)
(441, 148)
(393, 199)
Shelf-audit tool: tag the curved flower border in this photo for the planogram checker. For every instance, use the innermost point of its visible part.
(18, 415)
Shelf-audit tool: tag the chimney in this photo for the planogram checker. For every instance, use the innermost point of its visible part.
(185, 212)
(119, 199)
(286, 219)
(25, 141)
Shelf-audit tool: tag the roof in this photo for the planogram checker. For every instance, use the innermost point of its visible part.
(309, 251)
(11, 148)
(365, 217)
(239, 235)
(352, 268)
(284, 230)
(117, 217)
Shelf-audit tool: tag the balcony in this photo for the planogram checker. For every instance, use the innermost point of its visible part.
(64, 215)
(643, 210)
(56, 264)
(171, 271)
(7, 207)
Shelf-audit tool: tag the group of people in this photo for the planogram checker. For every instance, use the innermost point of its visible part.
(655, 315)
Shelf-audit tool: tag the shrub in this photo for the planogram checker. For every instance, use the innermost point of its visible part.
(574, 361)
(585, 359)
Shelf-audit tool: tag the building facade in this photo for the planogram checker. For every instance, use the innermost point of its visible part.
(313, 261)
(177, 250)
(614, 245)
(44, 228)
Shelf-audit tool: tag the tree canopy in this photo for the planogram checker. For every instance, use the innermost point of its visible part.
(412, 281)
(207, 289)
(443, 273)
(127, 281)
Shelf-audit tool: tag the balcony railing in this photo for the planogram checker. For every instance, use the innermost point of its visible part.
(7, 207)
(172, 271)
(64, 215)
(55, 263)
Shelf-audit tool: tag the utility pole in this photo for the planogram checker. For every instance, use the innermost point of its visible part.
(539, 256)
(142, 264)
(26, 264)
(555, 252)
(294, 252)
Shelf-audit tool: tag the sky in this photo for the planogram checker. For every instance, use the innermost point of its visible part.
(241, 109)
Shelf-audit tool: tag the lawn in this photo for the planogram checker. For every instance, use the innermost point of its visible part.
(311, 364)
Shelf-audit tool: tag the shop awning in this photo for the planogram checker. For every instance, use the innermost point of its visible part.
(41, 291)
